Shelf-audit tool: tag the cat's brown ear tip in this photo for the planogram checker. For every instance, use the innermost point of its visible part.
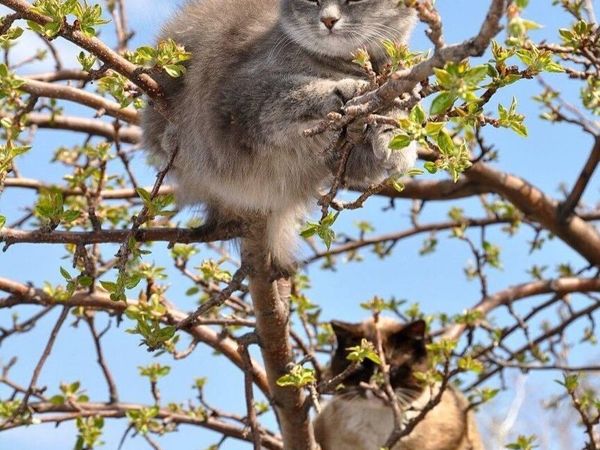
(339, 325)
(344, 328)
(416, 329)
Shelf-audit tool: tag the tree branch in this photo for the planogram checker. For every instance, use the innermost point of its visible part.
(512, 294)
(128, 135)
(58, 91)
(271, 307)
(180, 235)
(567, 208)
(23, 294)
(95, 46)
(119, 410)
(45, 354)
(578, 234)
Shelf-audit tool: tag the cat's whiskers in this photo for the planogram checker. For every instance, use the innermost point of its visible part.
(371, 36)
(285, 40)
(376, 32)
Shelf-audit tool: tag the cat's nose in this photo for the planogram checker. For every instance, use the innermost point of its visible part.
(329, 21)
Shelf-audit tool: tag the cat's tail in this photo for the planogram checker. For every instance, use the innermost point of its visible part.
(281, 239)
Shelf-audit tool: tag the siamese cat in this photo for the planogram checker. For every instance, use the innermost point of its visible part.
(356, 419)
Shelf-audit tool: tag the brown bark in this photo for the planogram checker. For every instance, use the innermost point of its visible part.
(58, 91)
(271, 308)
(581, 236)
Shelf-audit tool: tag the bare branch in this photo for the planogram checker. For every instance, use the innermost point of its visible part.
(569, 205)
(560, 285)
(51, 90)
(45, 354)
(113, 396)
(129, 135)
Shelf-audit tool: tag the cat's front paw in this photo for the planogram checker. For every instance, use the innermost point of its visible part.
(348, 88)
(395, 162)
(340, 92)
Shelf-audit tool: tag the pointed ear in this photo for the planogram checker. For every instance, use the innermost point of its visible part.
(415, 331)
(345, 331)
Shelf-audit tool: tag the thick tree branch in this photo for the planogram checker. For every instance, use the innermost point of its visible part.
(578, 234)
(435, 189)
(272, 310)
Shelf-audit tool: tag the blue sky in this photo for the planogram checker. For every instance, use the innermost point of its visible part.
(550, 155)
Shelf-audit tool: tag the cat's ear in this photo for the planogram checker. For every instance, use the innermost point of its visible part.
(414, 331)
(345, 331)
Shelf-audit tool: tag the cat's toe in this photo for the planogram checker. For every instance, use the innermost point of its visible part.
(401, 161)
(349, 88)
(395, 162)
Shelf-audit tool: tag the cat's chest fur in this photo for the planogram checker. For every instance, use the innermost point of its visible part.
(365, 422)
(361, 422)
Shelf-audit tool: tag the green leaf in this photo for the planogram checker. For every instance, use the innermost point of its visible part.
(442, 103)
(144, 195)
(445, 142)
(297, 377)
(400, 141)
(109, 286)
(417, 114)
(85, 280)
(366, 350)
(433, 128)
(66, 275)
(430, 167)
(70, 215)
(57, 400)
(174, 70)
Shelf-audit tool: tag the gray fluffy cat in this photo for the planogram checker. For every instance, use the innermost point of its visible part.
(262, 72)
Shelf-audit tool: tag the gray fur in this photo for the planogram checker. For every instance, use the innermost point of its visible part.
(263, 71)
